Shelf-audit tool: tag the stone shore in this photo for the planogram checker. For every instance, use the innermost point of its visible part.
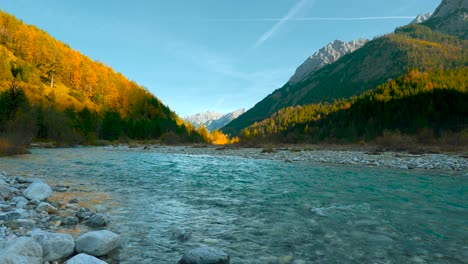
(32, 228)
(457, 163)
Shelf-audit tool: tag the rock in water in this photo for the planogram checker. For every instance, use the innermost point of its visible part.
(54, 246)
(84, 259)
(84, 213)
(70, 220)
(38, 191)
(6, 192)
(20, 202)
(205, 255)
(98, 220)
(23, 250)
(97, 243)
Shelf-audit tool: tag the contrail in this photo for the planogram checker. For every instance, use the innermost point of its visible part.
(291, 13)
(282, 20)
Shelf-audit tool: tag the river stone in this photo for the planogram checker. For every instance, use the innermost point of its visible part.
(54, 246)
(10, 216)
(16, 224)
(6, 192)
(84, 213)
(205, 255)
(84, 259)
(23, 250)
(21, 179)
(98, 220)
(97, 243)
(20, 201)
(70, 220)
(38, 191)
(45, 207)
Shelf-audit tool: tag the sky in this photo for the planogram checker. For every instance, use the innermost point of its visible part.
(218, 55)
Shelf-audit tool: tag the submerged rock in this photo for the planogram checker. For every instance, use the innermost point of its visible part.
(84, 259)
(20, 202)
(23, 250)
(205, 255)
(38, 191)
(97, 243)
(10, 216)
(54, 246)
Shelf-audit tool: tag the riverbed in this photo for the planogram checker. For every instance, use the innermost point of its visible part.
(259, 209)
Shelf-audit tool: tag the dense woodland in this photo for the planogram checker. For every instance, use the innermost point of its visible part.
(426, 104)
(386, 57)
(51, 92)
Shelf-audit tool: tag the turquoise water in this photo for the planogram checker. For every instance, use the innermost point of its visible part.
(262, 211)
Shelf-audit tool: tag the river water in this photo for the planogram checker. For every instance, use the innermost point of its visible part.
(263, 211)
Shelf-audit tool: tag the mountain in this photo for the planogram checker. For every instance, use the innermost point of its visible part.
(50, 91)
(224, 120)
(326, 55)
(451, 17)
(213, 120)
(421, 18)
(203, 119)
(415, 46)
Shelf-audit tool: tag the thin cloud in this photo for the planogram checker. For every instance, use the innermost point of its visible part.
(291, 13)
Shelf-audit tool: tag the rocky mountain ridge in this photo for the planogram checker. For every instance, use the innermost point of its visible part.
(326, 55)
(421, 18)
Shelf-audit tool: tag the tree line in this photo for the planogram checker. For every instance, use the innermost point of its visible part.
(418, 102)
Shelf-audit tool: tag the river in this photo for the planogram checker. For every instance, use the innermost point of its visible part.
(264, 211)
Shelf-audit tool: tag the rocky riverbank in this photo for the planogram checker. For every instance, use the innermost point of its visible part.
(32, 228)
(457, 163)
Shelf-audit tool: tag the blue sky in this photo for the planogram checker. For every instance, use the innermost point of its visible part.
(198, 55)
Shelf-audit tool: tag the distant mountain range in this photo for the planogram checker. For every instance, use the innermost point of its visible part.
(213, 120)
(342, 70)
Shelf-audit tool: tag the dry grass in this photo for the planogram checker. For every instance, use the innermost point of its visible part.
(8, 148)
(85, 199)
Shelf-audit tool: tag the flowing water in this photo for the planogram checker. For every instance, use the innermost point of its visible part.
(263, 211)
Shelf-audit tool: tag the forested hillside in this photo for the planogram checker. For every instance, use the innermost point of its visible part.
(65, 96)
(386, 57)
(431, 104)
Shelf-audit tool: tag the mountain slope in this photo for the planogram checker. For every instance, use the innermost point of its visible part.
(387, 57)
(65, 88)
